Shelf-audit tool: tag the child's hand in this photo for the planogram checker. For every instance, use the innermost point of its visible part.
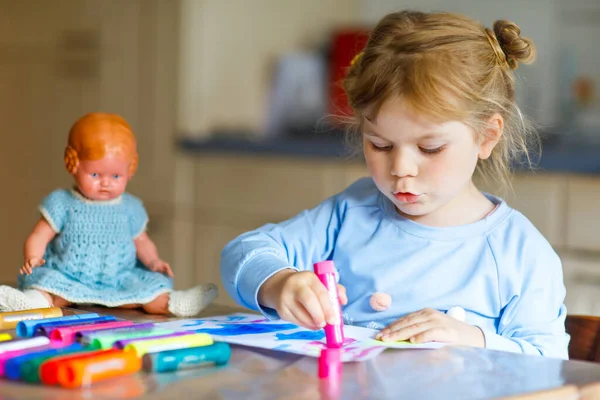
(430, 325)
(30, 264)
(159, 265)
(301, 298)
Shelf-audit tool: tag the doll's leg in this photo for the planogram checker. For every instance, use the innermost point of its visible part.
(159, 305)
(183, 303)
(12, 299)
(54, 300)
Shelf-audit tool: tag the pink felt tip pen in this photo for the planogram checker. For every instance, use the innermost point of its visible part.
(334, 333)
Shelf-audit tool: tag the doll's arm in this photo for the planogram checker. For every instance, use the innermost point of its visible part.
(35, 245)
(148, 255)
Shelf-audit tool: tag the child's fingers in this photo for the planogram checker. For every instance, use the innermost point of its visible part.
(342, 294)
(169, 270)
(416, 318)
(309, 300)
(407, 332)
(436, 334)
(330, 310)
(299, 316)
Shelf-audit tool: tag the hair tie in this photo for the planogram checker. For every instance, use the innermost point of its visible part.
(356, 59)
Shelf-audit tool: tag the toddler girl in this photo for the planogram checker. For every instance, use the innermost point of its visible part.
(433, 101)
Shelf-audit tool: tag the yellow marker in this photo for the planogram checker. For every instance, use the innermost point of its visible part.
(9, 320)
(4, 337)
(169, 343)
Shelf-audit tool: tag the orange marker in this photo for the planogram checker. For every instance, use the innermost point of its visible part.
(49, 369)
(87, 370)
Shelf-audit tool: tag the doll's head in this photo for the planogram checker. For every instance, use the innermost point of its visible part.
(101, 155)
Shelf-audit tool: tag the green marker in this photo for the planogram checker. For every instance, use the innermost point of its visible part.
(30, 369)
(106, 341)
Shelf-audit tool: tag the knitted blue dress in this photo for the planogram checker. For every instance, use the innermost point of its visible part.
(92, 259)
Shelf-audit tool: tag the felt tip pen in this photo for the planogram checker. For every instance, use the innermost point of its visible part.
(87, 370)
(191, 357)
(48, 370)
(27, 328)
(12, 367)
(67, 335)
(29, 370)
(46, 328)
(87, 337)
(334, 333)
(120, 344)
(23, 344)
(169, 343)
(5, 336)
(9, 320)
(106, 342)
(9, 355)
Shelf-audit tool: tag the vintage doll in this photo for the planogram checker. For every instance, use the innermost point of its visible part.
(90, 245)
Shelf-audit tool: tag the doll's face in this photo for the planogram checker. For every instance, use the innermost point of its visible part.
(103, 179)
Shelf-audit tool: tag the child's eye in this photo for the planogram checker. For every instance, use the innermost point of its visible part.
(94, 175)
(431, 151)
(380, 148)
(116, 176)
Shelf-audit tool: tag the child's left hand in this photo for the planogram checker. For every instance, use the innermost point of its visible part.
(159, 265)
(430, 325)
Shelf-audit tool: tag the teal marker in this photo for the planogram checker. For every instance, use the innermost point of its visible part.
(192, 357)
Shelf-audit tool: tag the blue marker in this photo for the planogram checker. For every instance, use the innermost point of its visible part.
(218, 353)
(27, 328)
(12, 367)
(44, 329)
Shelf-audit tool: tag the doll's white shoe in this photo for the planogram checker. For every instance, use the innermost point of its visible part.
(12, 299)
(187, 303)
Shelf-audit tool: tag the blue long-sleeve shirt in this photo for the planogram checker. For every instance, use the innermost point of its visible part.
(500, 269)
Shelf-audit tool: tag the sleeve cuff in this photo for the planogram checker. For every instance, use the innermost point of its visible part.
(493, 341)
(251, 279)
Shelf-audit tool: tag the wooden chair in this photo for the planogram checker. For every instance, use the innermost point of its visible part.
(585, 337)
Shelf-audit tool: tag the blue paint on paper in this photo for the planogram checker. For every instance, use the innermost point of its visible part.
(246, 329)
(282, 346)
(193, 323)
(302, 335)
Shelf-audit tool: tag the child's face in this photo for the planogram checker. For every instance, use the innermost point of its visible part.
(103, 179)
(425, 169)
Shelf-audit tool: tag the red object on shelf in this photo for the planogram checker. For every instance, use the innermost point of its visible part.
(345, 44)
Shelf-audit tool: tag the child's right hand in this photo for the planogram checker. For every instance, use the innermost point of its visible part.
(300, 298)
(30, 264)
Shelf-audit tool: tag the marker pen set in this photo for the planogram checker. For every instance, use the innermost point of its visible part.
(78, 350)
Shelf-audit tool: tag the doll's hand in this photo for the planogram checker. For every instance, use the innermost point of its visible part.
(159, 265)
(30, 264)
(430, 325)
(301, 298)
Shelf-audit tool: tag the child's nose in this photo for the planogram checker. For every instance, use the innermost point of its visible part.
(403, 164)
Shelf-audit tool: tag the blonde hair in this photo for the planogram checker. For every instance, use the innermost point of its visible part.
(96, 134)
(446, 67)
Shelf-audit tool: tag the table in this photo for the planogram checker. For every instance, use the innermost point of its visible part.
(447, 373)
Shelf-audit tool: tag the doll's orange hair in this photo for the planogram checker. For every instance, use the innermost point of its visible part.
(96, 134)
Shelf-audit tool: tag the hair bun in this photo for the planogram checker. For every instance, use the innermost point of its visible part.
(516, 48)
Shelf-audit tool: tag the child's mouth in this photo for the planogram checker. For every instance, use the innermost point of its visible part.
(407, 197)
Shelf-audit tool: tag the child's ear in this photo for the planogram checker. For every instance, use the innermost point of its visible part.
(492, 133)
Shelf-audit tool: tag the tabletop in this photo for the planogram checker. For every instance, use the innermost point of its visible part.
(446, 373)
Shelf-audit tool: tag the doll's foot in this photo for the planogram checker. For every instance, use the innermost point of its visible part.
(12, 299)
(187, 303)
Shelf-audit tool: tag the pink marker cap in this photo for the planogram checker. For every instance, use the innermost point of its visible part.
(330, 363)
(323, 267)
